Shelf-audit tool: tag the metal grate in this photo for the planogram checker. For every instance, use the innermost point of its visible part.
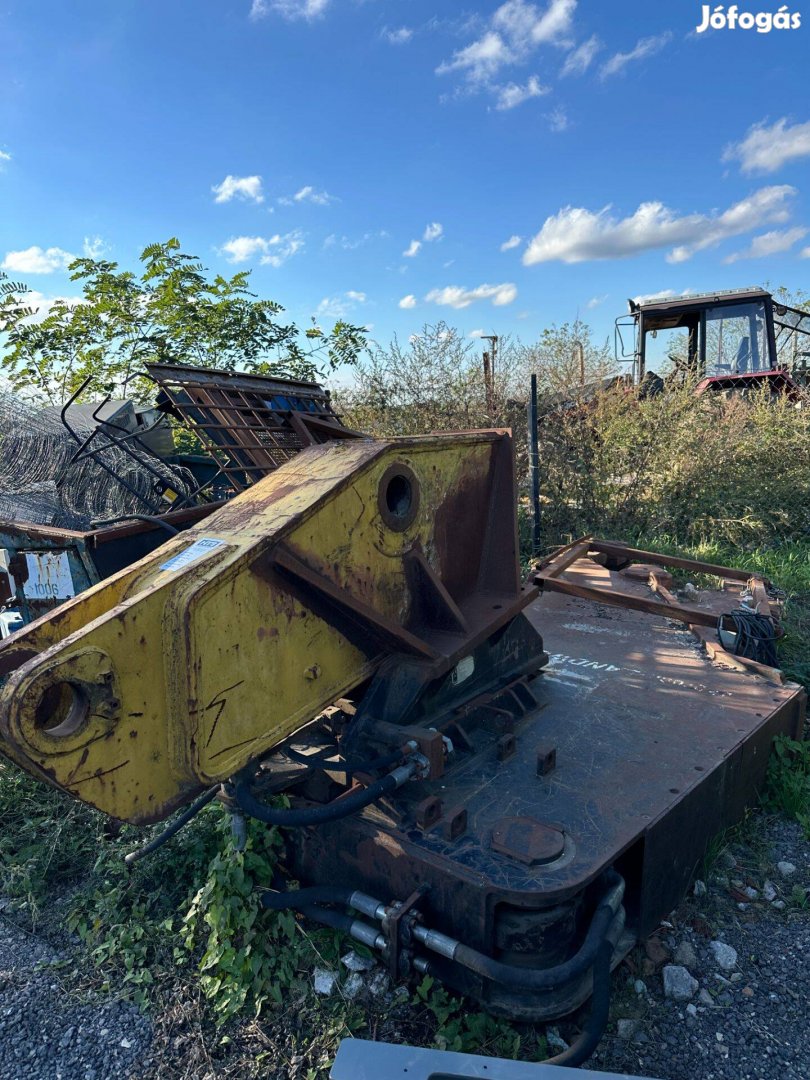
(251, 424)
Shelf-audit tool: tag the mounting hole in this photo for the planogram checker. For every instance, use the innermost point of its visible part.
(62, 710)
(398, 497)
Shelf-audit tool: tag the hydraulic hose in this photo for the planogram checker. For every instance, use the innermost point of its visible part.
(596, 951)
(174, 828)
(304, 899)
(594, 1028)
(315, 761)
(338, 920)
(317, 815)
(533, 978)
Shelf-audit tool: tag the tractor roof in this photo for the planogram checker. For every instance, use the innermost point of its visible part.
(663, 304)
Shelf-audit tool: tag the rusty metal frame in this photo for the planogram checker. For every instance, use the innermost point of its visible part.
(549, 570)
(547, 577)
(250, 424)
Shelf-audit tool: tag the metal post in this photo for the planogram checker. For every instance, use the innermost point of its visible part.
(534, 467)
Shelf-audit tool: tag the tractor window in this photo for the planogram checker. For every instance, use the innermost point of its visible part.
(736, 339)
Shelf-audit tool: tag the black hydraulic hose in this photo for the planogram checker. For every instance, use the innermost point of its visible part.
(305, 898)
(317, 815)
(338, 920)
(594, 1028)
(174, 828)
(316, 761)
(544, 978)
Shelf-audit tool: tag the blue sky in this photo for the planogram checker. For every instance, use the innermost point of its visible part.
(396, 162)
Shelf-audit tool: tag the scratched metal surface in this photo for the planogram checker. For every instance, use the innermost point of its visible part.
(640, 718)
(361, 1060)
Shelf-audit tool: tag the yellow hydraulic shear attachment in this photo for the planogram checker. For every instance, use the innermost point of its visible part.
(173, 674)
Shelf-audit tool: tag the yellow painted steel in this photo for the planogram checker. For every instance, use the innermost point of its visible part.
(164, 679)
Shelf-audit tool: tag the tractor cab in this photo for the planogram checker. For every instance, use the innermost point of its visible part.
(731, 341)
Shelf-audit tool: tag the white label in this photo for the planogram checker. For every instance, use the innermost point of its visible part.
(463, 670)
(49, 576)
(197, 550)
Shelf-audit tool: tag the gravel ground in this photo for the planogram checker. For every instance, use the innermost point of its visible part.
(47, 1032)
(747, 1020)
(738, 954)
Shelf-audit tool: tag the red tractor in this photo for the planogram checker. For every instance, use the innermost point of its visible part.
(733, 342)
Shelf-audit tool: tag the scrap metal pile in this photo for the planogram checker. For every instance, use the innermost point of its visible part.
(69, 468)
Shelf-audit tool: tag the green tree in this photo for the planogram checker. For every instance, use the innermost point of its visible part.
(169, 312)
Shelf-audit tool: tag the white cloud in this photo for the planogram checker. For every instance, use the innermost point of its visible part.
(350, 243)
(481, 60)
(239, 187)
(512, 242)
(37, 260)
(94, 247)
(804, 253)
(516, 29)
(513, 94)
(455, 296)
(475, 334)
(4, 157)
(575, 234)
(432, 232)
(558, 119)
(400, 36)
(769, 243)
(408, 302)
(271, 251)
(42, 304)
(413, 248)
(643, 48)
(289, 9)
(336, 307)
(580, 59)
(308, 194)
(595, 301)
(766, 149)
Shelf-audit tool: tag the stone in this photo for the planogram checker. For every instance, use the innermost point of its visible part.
(724, 955)
(626, 1029)
(685, 955)
(640, 986)
(354, 962)
(726, 861)
(752, 894)
(780, 905)
(679, 985)
(379, 984)
(769, 891)
(700, 888)
(353, 986)
(705, 998)
(786, 869)
(691, 1009)
(554, 1041)
(324, 981)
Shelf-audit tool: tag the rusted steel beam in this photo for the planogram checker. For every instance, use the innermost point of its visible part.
(541, 564)
(628, 600)
(562, 560)
(622, 551)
